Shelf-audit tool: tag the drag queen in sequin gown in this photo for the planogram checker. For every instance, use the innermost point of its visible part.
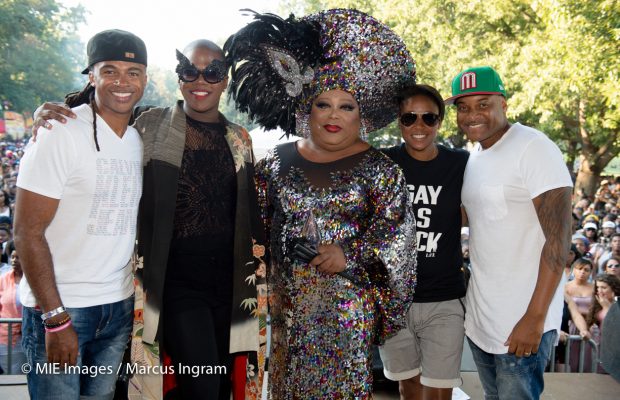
(327, 313)
(323, 325)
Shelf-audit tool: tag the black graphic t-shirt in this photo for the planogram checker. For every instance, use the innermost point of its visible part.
(435, 195)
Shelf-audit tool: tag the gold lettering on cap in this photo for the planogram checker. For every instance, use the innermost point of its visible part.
(129, 55)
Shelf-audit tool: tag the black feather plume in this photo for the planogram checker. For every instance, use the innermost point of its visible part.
(271, 61)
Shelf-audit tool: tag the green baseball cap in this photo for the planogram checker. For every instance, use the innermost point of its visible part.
(474, 81)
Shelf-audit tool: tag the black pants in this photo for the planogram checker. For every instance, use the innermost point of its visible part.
(196, 323)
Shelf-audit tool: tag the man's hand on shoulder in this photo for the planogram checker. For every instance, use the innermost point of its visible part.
(50, 111)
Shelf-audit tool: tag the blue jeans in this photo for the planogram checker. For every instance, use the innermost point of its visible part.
(508, 377)
(103, 332)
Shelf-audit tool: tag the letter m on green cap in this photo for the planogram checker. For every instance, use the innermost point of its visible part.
(468, 81)
(476, 81)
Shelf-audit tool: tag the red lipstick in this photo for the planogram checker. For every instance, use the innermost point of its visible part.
(332, 128)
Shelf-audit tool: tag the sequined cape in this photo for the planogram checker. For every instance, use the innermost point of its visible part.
(323, 327)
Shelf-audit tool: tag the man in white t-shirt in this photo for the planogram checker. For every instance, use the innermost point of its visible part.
(517, 196)
(75, 224)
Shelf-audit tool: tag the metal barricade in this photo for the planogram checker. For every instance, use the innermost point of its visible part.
(9, 356)
(582, 354)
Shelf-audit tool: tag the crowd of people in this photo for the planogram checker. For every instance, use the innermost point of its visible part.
(10, 267)
(341, 244)
(595, 224)
(592, 268)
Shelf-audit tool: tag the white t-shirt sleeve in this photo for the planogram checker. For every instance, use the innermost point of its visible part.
(543, 168)
(48, 162)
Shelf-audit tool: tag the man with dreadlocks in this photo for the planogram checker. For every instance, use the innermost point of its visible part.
(79, 189)
(201, 292)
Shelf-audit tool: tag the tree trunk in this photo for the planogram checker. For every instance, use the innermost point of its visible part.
(593, 158)
(571, 155)
(587, 179)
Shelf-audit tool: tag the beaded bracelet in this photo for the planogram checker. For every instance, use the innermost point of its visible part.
(59, 328)
(53, 313)
(56, 324)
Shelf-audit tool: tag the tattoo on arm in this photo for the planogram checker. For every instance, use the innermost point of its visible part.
(554, 213)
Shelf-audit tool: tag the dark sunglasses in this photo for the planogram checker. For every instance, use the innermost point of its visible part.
(213, 73)
(429, 119)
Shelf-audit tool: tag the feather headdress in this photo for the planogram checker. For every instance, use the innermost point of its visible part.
(279, 66)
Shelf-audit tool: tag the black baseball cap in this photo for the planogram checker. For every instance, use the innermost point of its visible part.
(115, 45)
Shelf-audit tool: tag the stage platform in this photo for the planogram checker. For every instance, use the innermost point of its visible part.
(558, 386)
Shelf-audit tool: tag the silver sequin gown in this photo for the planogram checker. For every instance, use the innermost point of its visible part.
(323, 326)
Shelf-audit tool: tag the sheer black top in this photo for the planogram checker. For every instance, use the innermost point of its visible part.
(206, 194)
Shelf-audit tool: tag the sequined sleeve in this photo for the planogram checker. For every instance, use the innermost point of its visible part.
(390, 243)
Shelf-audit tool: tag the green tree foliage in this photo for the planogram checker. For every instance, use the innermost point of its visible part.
(227, 107)
(162, 89)
(40, 53)
(571, 82)
(558, 58)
